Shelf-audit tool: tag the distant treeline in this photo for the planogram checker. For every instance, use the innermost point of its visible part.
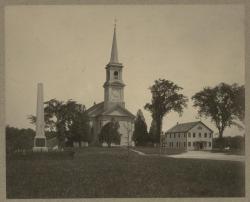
(22, 139)
(19, 139)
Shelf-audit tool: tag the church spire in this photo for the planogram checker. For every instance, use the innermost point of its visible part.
(114, 51)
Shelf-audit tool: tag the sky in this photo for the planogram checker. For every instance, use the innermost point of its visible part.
(67, 48)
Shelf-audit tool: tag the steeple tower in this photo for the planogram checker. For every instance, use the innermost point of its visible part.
(113, 86)
(114, 51)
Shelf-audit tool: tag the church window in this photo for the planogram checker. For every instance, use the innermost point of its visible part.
(116, 75)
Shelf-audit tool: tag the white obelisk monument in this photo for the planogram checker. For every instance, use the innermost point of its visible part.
(40, 139)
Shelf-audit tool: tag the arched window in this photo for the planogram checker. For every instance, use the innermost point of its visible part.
(116, 75)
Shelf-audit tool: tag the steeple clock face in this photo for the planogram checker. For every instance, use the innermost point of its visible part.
(115, 95)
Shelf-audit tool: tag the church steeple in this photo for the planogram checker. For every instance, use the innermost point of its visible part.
(114, 51)
(114, 86)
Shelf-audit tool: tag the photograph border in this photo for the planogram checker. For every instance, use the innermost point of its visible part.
(4, 3)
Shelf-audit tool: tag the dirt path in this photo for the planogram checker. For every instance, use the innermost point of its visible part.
(200, 155)
(209, 155)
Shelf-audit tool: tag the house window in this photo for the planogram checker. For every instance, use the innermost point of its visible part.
(205, 134)
(189, 134)
(210, 135)
(189, 144)
(193, 134)
(116, 75)
(199, 134)
(209, 144)
(193, 144)
(184, 144)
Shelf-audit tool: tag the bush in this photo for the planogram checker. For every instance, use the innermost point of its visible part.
(234, 143)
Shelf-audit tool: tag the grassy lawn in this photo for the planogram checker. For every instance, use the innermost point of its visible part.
(156, 150)
(108, 172)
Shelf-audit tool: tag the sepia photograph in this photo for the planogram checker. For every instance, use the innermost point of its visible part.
(125, 101)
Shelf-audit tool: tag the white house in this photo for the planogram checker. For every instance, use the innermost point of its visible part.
(189, 136)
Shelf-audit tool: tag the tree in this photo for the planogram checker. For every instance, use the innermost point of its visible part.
(77, 121)
(109, 133)
(66, 119)
(165, 98)
(239, 102)
(223, 104)
(140, 135)
(152, 132)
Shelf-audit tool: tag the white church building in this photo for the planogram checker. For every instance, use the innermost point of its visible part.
(113, 106)
(189, 136)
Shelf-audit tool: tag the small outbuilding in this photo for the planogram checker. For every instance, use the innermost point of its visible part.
(189, 136)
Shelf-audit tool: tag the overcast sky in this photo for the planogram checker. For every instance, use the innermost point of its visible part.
(67, 48)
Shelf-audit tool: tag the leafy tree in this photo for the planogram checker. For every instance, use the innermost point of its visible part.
(109, 133)
(223, 104)
(152, 132)
(239, 102)
(66, 119)
(77, 120)
(165, 98)
(140, 135)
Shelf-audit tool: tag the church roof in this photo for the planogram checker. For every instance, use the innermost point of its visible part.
(98, 110)
(118, 107)
(184, 127)
(114, 50)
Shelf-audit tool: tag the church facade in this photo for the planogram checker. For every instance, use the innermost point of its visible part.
(113, 106)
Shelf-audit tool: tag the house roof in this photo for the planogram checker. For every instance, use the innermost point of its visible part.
(185, 127)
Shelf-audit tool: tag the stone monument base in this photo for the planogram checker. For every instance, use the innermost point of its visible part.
(40, 149)
(40, 144)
